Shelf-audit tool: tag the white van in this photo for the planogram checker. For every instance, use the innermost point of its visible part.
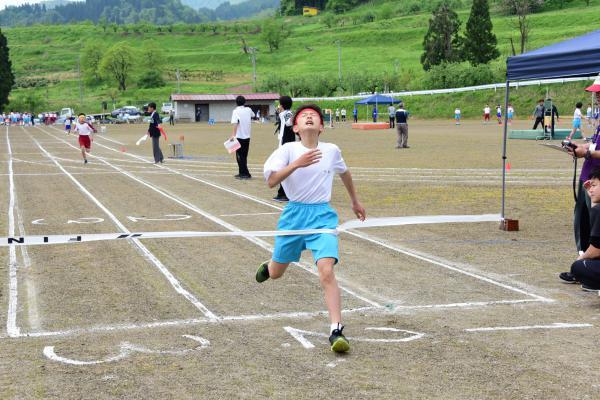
(66, 112)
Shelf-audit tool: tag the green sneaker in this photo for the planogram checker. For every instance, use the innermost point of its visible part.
(262, 273)
(339, 343)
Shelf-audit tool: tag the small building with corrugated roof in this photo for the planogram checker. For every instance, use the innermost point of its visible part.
(218, 107)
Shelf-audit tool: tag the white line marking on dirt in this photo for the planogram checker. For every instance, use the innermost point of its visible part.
(217, 220)
(143, 249)
(38, 221)
(110, 140)
(250, 214)
(170, 217)
(300, 334)
(186, 322)
(12, 329)
(394, 307)
(555, 325)
(441, 264)
(126, 349)
(86, 220)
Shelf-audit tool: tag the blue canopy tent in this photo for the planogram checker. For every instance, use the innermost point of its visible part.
(572, 58)
(376, 99)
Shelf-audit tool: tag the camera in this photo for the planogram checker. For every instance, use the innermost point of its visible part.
(566, 144)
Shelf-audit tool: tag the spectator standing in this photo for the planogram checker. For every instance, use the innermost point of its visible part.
(392, 115)
(241, 118)
(402, 127)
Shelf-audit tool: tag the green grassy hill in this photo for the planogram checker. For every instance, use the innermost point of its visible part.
(391, 45)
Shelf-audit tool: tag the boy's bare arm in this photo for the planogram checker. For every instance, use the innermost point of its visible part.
(358, 209)
(308, 158)
(235, 130)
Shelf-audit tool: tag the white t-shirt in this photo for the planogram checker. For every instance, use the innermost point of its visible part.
(589, 112)
(486, 110)
(457, 111)
(577, 114)
(310, 184)
(83, 129)
(243, 115)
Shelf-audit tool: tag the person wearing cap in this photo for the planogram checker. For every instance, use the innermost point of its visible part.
(306, 170)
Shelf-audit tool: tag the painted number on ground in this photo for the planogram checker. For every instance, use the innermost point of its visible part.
(126, 349)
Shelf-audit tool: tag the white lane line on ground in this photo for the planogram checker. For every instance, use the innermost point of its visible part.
(397, 307)
(249, 214)
(12, 329)
(110, 140)
(191, 322)
(143, 249)
(428, 259)
(375, 241)
(555, 325)
(222, 223)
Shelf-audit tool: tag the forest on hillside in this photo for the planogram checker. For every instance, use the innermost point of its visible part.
(160, 12)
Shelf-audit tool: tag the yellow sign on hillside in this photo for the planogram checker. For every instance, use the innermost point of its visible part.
(310, 11)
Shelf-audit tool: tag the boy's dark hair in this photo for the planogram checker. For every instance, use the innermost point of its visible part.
(285, 102)
(153, 105)
(80, 114)
(307, 106)
(240, 100)
(541, 100)
(595, 174)
(579, 104)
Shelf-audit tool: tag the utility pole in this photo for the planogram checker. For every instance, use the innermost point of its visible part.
(177, 75)
(339, 45)
(80, 84)
(253, 51)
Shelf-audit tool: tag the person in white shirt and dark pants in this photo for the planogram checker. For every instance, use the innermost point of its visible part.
(242, 120)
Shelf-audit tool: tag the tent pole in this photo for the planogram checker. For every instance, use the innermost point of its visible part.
(504, 148)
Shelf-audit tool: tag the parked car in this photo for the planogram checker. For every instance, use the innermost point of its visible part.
(66, 112)
(131, 110)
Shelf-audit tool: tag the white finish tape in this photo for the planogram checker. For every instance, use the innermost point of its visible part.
(369, 223)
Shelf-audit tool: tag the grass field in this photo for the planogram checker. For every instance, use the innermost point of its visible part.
(450, 311)
(51, 52)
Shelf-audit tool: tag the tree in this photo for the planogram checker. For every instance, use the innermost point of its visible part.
(273, 34)
(91, 56)
(480, 42)
(522, 9)
(442, 42)
(7, 79)
(117, 64)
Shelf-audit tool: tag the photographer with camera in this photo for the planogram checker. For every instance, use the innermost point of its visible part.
(586, 269)
(581, 222)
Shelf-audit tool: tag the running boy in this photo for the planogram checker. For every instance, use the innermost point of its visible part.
(85, 131)
(576, 121)
(457, 115)
(68, 124)
(499, 114)
(306, 170)
(486, 114)
(510, 113)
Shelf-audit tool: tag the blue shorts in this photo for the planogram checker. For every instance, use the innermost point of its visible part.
(577, 123)
(456, 116)
(306, 216)
(510, 115)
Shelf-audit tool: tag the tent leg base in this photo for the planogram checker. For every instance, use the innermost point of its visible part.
(509, 225)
